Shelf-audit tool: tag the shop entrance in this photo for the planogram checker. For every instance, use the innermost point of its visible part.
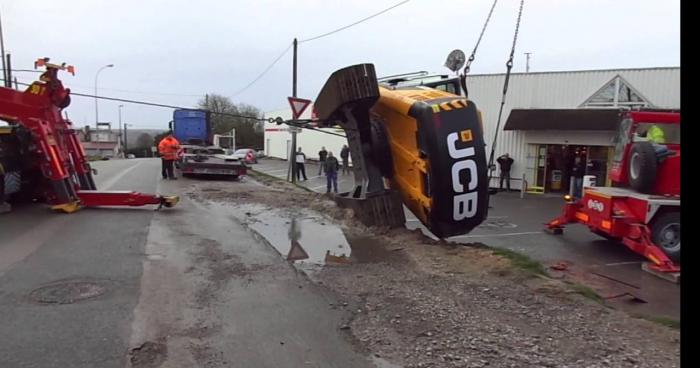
(554, 163)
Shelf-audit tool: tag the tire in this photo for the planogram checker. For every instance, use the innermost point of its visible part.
(642, 167)
(666, 234)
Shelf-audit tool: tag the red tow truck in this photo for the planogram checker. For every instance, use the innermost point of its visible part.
(42, 152)
(643, 208)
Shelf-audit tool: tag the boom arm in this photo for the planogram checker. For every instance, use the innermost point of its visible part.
(56, 149)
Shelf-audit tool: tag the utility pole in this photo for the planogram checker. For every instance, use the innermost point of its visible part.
(8, 72)
(126, 146)
(527, 62)
(120, 130)
(5, 74)
(292, 155)
(97, 117)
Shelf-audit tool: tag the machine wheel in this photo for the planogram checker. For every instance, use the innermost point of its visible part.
(666, 233)
(642, 167)
(380, 149)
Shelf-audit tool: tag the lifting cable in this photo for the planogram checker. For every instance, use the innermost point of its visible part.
(509, 66)
(463, 77)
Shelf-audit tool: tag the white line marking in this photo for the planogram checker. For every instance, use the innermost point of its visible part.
(271, 171)
(622, 263)
(318, 187)
(494, 235)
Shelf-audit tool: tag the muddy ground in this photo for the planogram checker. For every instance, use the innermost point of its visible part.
(416, 302)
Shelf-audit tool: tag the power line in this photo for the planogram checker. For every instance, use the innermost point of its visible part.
(356, 23)
(315, 38)
(153, 104)
(263, 72)
(146, 92)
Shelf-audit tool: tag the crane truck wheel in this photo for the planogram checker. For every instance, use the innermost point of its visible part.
(642, 167)
(666, 233)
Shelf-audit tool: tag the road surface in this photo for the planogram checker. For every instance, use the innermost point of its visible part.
(183, 287)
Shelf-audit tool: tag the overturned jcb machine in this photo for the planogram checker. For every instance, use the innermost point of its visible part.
(41, 152)
(417, 146)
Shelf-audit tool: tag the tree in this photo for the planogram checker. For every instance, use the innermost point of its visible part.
(159, 137)
(248, 131)
(144, 140)
(142, 147)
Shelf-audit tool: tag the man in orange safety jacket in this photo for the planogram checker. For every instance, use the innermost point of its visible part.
(168, 149)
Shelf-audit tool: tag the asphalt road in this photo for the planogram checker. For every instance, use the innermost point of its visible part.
(183, 287)
(517, 224)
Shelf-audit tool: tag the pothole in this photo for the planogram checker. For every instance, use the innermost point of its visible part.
(67, 292)
(150, 354)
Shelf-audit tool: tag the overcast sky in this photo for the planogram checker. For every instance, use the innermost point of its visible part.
(175, 51)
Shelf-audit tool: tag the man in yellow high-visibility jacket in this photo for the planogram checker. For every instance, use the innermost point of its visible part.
(656, 135)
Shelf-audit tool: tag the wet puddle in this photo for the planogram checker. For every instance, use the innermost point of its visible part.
(308, 239)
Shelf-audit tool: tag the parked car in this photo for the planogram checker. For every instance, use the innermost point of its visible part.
(247, 155)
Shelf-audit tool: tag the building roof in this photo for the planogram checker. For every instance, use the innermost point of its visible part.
(584, 71)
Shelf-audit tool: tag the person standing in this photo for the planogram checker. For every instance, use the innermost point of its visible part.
(505, 162)
(345, 156)
(577, 172)
(4, 206)
(322, 154)
(300, 159)
(168, 149)
(331, 166)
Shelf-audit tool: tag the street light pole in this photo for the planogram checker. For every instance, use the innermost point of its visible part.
(126, 145)
(97, 117)
(120, 129)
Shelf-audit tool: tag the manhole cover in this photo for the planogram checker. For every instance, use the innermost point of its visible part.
(67, 292)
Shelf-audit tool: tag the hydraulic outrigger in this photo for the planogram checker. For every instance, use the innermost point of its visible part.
(54, 165)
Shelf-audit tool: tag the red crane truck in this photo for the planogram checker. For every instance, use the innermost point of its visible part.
(42, 154)
(642, 209)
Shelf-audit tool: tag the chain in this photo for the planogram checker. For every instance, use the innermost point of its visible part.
(478, 41)
(509, 66)
(467, 66)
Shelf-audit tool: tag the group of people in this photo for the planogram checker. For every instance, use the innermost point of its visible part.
(328, 164)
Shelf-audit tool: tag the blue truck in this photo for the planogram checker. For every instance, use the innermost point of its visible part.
(193, 129)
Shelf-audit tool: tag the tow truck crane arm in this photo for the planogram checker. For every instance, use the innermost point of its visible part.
(55, 151)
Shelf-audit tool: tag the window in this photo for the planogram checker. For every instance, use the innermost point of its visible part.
(616, 93)
(621, 139)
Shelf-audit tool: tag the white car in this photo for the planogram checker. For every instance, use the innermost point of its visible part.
(246, 155)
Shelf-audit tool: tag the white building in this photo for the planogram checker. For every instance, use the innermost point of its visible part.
(548, 119)
(103, 141)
